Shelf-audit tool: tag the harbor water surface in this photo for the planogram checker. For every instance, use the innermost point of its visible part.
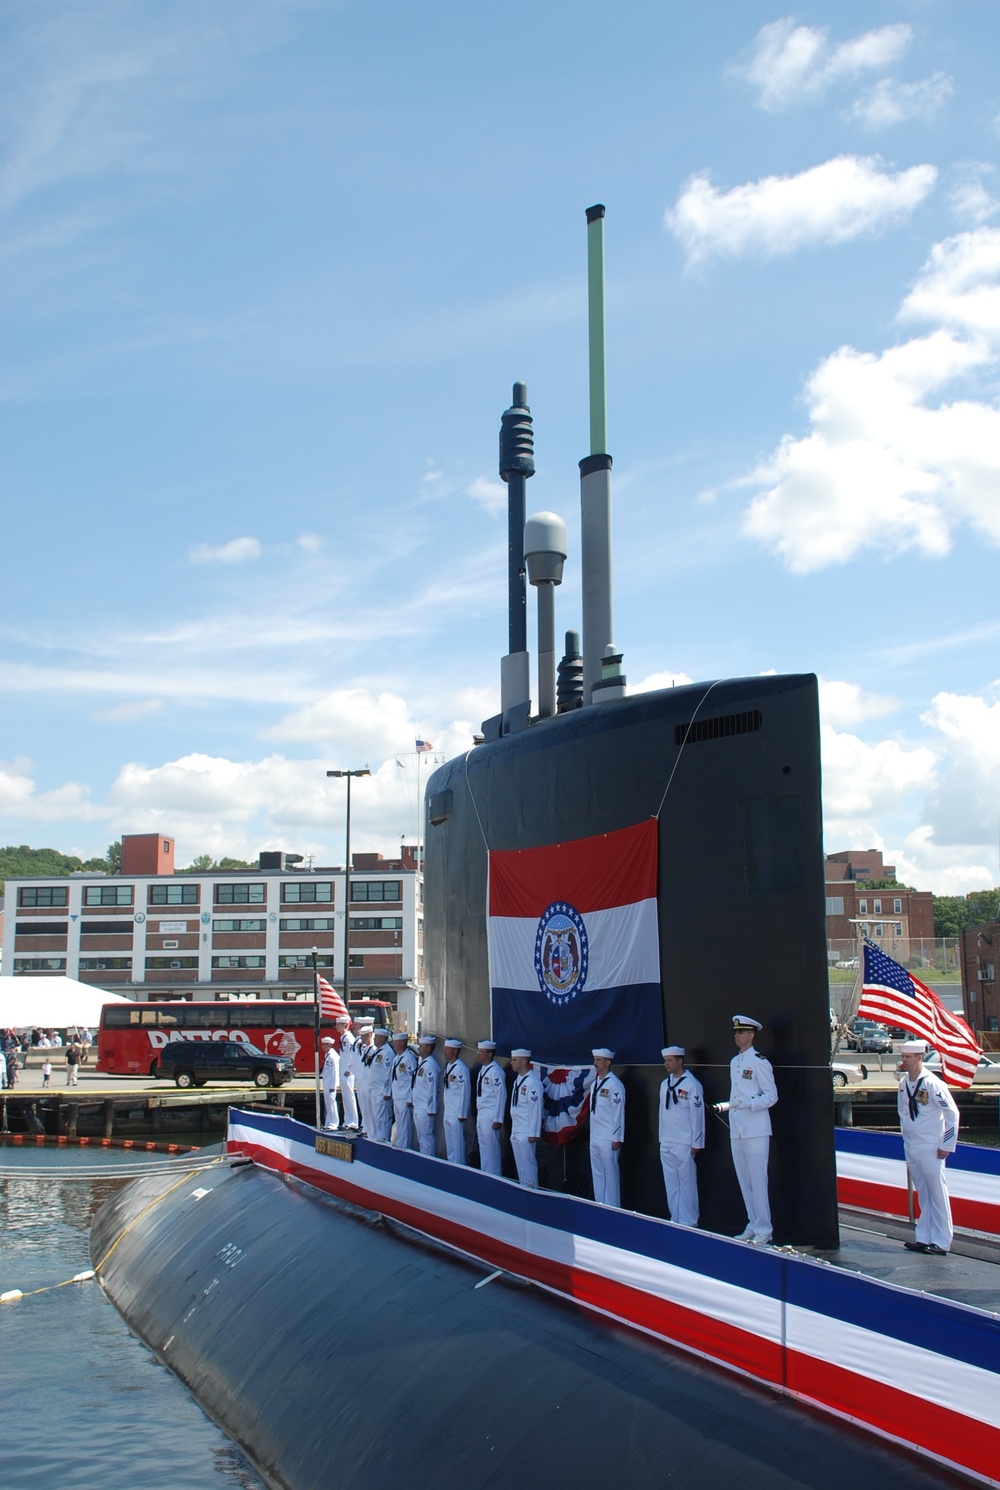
(85, 1403)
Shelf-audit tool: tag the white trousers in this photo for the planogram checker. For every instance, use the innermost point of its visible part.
(454, 1139)
(331, 1118)
(424, 1123)
(680, 1180)
(604, 1171)
(927, 1173)
(347, 1096)
(750, 1161)
(403, 1113)
(490, 1152)
(364, 1121)
(526, 1159)
(382, 1123)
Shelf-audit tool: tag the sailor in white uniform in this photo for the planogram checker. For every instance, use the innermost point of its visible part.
(426, 1095)
(752, 1093)
(348, 1072)
(457, 1098)
(928, 1118)
(491, 1102)
(380, 1086)
(364, 1052)
(607, 1128)
(404, 1067)
(331, 1080)
(682, 1135)
(526, 1107)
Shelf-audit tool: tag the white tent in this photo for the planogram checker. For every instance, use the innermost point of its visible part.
(51, 1003)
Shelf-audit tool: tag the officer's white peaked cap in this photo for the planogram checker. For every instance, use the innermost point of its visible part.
(520, 1052)
(744, 1022)
(604, 1052)
(672, 1050)
(913, 1047)
(487, 1045)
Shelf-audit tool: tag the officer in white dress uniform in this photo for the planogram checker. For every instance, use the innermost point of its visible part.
(682, 1135)
(348, 1072)
(426, 1095)
(928, 1118)
(491, 1102)
(607, 1128)
(526, 1107)
(404, 1067)
(364, 1052)
(380, 1086)
(331, 1080)
(752, 1093)
(457, 1098)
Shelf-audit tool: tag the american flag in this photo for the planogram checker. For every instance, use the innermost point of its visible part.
(894, 996)
(331, 1005)
(422, 746)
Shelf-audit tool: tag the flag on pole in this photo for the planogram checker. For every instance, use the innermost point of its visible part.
(423, 746)
(331, 1005)
(574, 947)
(565, 1100)
(893, 995)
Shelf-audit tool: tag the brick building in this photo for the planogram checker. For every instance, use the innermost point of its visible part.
(979, 950)
(894, 917)
(152, 933)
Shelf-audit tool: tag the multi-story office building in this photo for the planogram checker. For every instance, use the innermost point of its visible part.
(894, 916)
(152, 933)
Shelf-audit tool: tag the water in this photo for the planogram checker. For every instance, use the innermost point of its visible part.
(85, 1403)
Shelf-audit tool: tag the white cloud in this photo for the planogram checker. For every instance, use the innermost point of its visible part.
(236, 551)
(889, 464)
(890, 102)
(654, 681)
(19, 797)
(310, 543)
(369, 725)
(491, 495)
(865, 784)
(964, 804)
(969, 199)
(126, 713)
(842, 704)
(845, 198)
(797, 64)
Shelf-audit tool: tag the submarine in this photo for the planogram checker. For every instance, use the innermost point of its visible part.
(350, 1312)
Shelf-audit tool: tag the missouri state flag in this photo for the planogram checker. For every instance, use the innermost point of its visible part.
(574, 947)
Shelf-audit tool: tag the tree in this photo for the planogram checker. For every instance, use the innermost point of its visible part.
(199, 865)
(954, 914)
(113, 857)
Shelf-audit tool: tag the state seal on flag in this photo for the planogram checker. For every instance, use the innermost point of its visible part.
(561, 952)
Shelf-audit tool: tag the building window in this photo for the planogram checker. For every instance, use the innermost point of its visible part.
(306, 923)
(155, 963)
(173, 895)
(834, 906)
(166, 845)
(249, 923)
(42, 895)
(106, 928)
(877, 907)
(107, 895)
(899, 928)
(41, 928)
(39, 964)
(240, 894)
(897, 907)
(105, 964)
(860, 872)
(312, 892)
(304, 959)
(355, 960)
(878, 929)
(238, 961)
(862, 907)
(373, 890)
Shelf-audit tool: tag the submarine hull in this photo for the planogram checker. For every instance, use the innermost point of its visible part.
(338, 1349)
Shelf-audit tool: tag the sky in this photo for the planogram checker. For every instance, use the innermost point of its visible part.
(268, 271)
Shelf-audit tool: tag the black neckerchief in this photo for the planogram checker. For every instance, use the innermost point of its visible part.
(672, 1090)
(912, 1098)
(449, 1069)
(519, 1083)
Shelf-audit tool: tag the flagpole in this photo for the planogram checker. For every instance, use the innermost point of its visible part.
(319, 1115)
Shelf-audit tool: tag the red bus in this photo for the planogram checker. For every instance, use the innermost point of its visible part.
(130, 1036)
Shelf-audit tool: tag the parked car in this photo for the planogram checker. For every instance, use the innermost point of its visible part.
(193, 1062)
(843, 1073)
(859, 1031)
(987, 1069)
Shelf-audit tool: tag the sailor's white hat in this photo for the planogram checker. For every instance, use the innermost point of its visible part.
(913, 1047)
(604, 1053)
(520, 1051)
(427, 1039)
(328, 1040)
(487, 1045)
(344, 1019)
(672, 1050)
(401, 1035)
(380, 1029)
(744, 1022)
(453, 1044)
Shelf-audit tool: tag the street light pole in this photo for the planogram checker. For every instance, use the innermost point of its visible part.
(347, 879)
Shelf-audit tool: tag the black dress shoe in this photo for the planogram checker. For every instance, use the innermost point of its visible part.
(916, 1246)
(933, 1250)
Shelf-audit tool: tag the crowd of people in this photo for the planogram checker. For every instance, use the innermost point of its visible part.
(15, 1047)
(396, 1095)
